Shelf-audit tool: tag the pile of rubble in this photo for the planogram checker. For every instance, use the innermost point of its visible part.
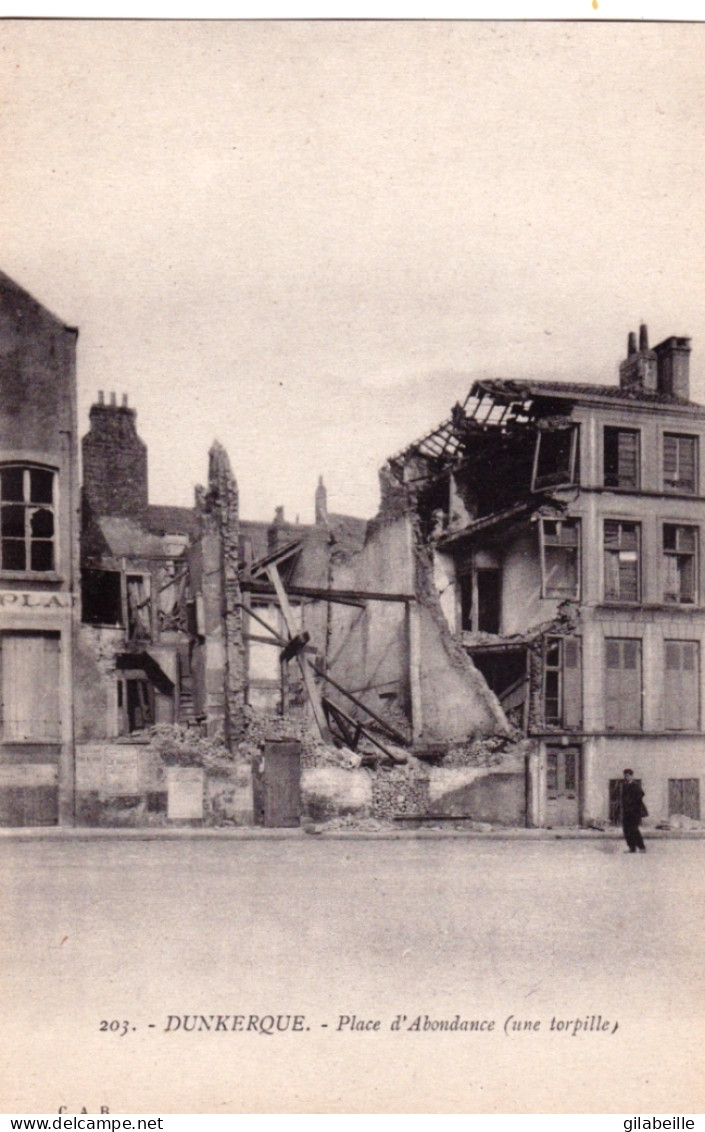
(401, 791)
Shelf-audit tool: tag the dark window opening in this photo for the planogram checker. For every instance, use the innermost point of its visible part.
(466, 602)
(101, 597)
(506, 675)
(555, 458)
(680, 463)
(621, 450)
(680, 563)
(489, 600)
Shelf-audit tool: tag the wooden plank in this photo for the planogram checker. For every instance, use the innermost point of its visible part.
(391, 731)
(292, 628)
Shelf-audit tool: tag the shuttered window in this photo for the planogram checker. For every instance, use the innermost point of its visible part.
(682, 686)
(622, 561)
(622, 684)
(30, 687)
(680, 463)
(680, 545)
(684, 797)
(563, 695)
(621, 452)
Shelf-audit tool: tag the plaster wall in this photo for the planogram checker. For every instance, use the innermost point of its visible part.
(654, 760)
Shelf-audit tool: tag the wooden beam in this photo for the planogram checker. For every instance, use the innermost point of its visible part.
(391, 731)
(307, 674)
(346, 597)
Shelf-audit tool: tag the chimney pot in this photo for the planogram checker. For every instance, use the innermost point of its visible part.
(631, 344)
(101, 397)
(113, 402)
(124, 400)
(643, 337)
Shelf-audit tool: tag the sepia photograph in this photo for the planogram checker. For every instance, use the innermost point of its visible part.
(352, 566)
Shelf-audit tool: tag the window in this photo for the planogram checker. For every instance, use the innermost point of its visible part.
(560, 557)
(680, 546)
(622, 566)
(30, 687)
(621, 458)
(27, 524)
(680, 463)
(489, 600)
(562, 689)
(622, 684)
(684, 797)
(101, 597)
(681, 686)
(465, 586)
(556, 455)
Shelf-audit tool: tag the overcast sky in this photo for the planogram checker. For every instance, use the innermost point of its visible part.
(307, 239)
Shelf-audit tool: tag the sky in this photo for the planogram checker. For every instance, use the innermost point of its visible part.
(307, 239)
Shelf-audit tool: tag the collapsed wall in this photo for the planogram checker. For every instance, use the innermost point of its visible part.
(398, 655)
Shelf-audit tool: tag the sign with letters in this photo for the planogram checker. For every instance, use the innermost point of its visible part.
(34, 601)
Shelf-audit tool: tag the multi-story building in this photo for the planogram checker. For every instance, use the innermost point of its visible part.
(38, 560)
(567, 525)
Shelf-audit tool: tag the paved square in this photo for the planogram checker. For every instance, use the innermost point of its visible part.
(133, 970)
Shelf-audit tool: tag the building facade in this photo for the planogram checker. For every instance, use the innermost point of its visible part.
(566, 522)
(524, 617)
(38, 560)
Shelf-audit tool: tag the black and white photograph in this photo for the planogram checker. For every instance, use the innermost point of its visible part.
(352, 566)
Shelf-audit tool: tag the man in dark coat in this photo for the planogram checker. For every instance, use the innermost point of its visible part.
(633, 810)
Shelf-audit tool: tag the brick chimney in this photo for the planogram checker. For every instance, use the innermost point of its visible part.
(114, 462)
(639, 368)
(673, 355)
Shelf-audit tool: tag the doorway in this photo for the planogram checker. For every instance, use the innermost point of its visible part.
(562, 786)
(281, 784)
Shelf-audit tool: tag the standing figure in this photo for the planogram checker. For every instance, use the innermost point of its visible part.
(633, 810)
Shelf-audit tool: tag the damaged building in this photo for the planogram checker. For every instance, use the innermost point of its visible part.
(522, 618)
(563, 522)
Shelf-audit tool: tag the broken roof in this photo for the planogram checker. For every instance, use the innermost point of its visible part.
(499, 404)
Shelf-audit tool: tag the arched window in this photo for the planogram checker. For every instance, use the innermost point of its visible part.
(27, 529)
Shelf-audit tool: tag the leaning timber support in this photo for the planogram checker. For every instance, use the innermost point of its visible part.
(298, 640)
(306, 673)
